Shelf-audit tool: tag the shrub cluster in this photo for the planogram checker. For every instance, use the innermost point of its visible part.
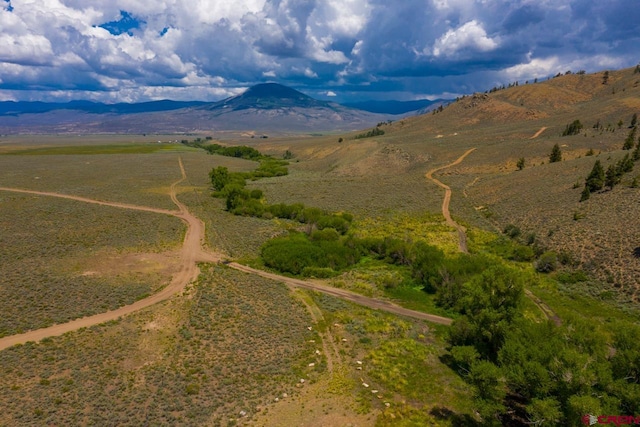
(376, 131)
(599, 178)
(573, 128)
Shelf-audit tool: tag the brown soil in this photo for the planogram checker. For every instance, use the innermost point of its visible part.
(462, 236)
(537, 134)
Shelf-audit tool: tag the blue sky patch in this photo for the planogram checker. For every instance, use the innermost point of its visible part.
(126, 23)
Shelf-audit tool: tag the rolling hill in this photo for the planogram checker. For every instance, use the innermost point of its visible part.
(600, 236)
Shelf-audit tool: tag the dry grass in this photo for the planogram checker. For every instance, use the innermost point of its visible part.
(64, 259)
(234, 345)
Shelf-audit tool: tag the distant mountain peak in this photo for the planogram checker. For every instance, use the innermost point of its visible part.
(273, 90)
(268, 96)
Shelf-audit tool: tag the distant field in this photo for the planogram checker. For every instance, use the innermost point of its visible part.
(100, 149)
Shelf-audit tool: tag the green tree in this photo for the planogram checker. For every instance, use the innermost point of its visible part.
(586, 194)
(520, 164)
(573, 128)
(544, 412)
(630, 140)
(491, 301)
(556, 154)
(612, 178)
(605, 78)
(595, 180)
(219, 177)
(634, 120)
(490, 390)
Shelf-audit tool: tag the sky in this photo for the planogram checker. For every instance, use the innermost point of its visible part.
(340, 50)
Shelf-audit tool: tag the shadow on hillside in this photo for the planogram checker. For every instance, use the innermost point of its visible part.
(463, 420)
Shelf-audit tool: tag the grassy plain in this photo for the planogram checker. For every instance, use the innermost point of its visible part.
(63, 259)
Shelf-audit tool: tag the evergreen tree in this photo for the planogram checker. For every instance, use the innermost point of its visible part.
(625, 165)
(573, 128)
(612, 178)
(595, 180)
(556, 154)
(629, 141)
(585, 194)
(520, 164)
(634, 120)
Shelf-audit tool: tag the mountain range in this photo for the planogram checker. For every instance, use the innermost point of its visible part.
(264, 107)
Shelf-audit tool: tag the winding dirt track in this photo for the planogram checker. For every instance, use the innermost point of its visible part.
(462, 236)
(192, 252)
(537, 134)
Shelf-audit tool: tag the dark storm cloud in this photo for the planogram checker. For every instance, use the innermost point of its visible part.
(211, 49)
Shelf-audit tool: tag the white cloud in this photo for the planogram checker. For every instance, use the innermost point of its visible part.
(58, 46)
(331, 93)
(468, 36)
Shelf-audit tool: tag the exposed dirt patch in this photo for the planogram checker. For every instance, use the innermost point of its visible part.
(166, 263)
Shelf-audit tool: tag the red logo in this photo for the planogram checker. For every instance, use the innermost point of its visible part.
(617, 420)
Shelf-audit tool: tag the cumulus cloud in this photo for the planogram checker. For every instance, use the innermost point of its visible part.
(470, 36)
(143, 49)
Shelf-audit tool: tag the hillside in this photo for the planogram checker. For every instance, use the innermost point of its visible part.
(600, 235)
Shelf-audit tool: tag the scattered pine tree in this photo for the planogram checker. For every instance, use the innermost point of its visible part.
(612, 178)
(556, 154)
(630, 140)
(573, 128)
(585, 194)
(595, 180)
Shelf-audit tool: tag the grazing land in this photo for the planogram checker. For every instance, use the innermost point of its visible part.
(499, 296)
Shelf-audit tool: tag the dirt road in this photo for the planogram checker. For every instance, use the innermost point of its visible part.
(345, 295)
(462, 236)
(537, 134)
(192, 252)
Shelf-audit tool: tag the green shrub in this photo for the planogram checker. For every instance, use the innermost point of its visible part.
(512, 231)
(318, 272)
(547, 262)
